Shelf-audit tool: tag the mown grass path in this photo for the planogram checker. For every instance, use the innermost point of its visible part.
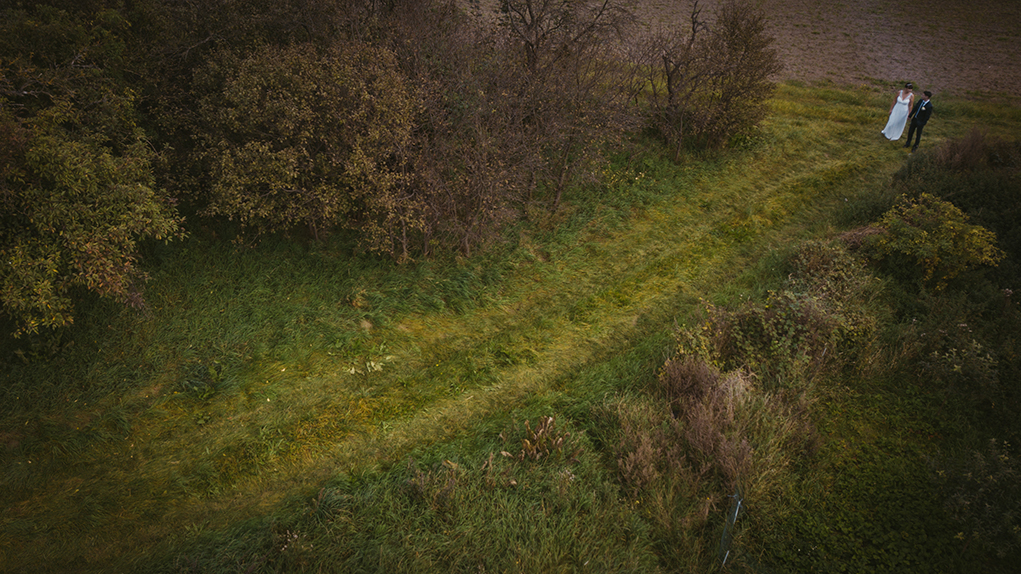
(144, 466)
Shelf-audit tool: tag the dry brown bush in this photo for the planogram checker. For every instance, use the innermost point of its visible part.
(575, 89)
(698, 436)
(859, 237)
(977, 150)
(965, 153)
(650, 447)
(512, 115)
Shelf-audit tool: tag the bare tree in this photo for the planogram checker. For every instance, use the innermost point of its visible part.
(678, 68)
(710, 81)
(471, 161)
(576, 88)
(551, 30)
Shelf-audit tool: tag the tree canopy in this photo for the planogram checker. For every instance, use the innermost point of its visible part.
(416, 125)
(77, 190)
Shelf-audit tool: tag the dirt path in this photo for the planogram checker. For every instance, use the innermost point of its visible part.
(956, 46)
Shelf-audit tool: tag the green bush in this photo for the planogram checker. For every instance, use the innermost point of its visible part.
(979, 175)
(934, 237)
(77, 191)
(983, 495)
(301, 136)
(820, 317)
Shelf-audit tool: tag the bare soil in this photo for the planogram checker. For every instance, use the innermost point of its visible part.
(958, 46)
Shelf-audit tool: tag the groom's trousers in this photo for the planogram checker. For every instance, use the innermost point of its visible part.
(911, 131)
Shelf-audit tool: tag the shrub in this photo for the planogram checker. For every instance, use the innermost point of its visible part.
(701, 437)
(472, 158)
(731, 412)
(697, 436)
(318, 138)
(709, 404)
(575, 91)
(77, 192)
(935, 237)
(976, 150)
(979, 175)
(820, 317)
(983, 495)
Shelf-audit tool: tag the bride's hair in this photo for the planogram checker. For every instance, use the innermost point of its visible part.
(908, 86)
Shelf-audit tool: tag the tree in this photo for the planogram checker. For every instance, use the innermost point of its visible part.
(574, 85)
(550, 31)
(471, 163)
(303, 136)
(699, 77)
(678, 70)
(173, 41)
(744, 60)
(76, 185)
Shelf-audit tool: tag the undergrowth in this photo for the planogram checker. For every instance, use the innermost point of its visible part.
(597, 392)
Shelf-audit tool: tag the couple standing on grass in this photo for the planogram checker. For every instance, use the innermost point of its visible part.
(904, 108)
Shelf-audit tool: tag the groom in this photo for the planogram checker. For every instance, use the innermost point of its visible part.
(919, 116)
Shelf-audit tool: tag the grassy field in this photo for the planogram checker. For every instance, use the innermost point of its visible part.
(306, 408)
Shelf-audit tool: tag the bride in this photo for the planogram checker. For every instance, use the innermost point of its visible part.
(899, 113)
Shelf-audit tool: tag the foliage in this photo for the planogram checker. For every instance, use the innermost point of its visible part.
(745, 63)
(978, 173)
(496, 133)
(299, 136)
(956, 361)
(818, 320)
(961, 336)
(172, 42)
(876, 511)
(934, 236)
(480, 133)
(706, 433)
(76, 184)
(470, 159)
(983, 496)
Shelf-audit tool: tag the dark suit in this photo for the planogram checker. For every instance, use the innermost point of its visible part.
(919, 117)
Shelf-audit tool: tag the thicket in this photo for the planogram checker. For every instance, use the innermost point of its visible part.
(949, 244)
(969, 347)
(415, 125)
(705, 80)
(77, 189)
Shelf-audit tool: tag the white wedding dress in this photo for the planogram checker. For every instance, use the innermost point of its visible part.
(898, 117)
